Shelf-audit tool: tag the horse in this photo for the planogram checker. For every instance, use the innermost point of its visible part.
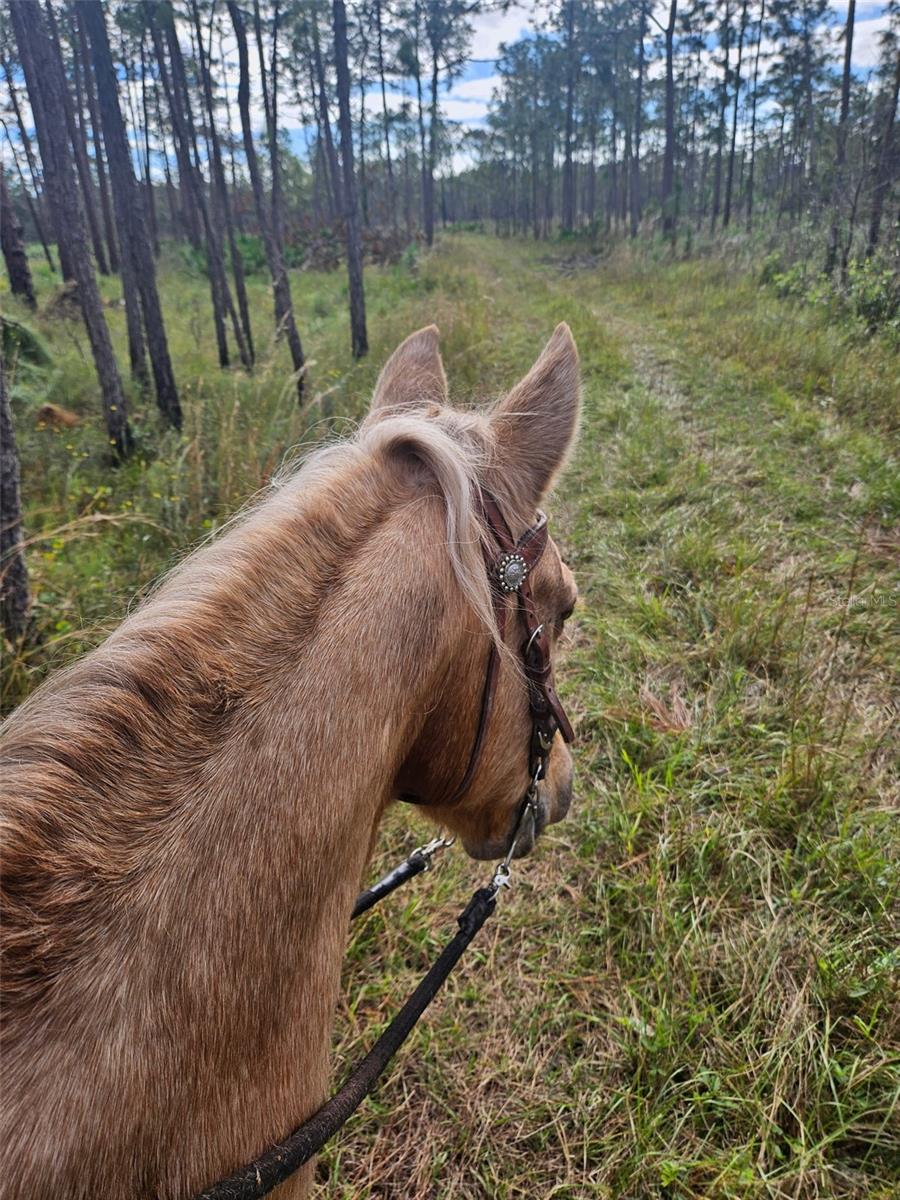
(189, 808)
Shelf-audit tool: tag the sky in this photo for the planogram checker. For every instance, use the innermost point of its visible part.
(468, 99)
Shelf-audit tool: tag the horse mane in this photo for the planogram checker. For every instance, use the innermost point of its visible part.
(86, 775)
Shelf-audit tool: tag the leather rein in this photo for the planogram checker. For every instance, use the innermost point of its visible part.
(509, 573)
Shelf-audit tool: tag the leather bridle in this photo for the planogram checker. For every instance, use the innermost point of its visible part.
(509, 570)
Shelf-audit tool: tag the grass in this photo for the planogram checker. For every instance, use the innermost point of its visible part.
(692, 989)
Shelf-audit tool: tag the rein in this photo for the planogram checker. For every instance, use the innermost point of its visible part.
(509, 574)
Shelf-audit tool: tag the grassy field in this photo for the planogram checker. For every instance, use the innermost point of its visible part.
(692, 990)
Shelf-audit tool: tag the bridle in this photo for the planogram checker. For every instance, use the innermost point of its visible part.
(510, 568)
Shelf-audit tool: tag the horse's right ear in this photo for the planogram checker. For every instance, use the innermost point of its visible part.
(413, 377)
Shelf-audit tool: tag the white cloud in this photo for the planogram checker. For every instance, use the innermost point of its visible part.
(866, 50)
(475, 89)
(493, 28)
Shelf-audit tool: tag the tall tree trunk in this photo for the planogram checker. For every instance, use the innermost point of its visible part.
(47, 86)
(431, 157)
(334, 171)
(284, 308)
(32, 208)
(720, 128)
(25, 139)
(752, 172)
(134, 324)
(386, 121)
(668, 175)
(13, 246)
(729, 183)
(49, 169)
(840, 154)
(358, 337)
(102, 183)
(567, 212)
(638, 122)
(221, 187)
(179, 106)
(15, 600)
(148, 178)
(79, 152)
(885, 166)
(420, 110)
(128, 198)
(214, 249)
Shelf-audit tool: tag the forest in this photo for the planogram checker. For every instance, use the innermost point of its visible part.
(219, 217)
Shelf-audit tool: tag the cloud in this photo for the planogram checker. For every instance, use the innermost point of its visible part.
(866, 49)
(493, 28)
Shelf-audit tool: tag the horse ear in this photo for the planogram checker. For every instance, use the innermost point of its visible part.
(535, 425)
(413, 377)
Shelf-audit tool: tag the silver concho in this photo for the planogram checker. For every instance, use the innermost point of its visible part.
(511, 572)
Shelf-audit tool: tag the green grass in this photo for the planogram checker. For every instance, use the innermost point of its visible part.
(692, 989)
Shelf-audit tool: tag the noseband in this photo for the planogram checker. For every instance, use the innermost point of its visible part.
(509, 570)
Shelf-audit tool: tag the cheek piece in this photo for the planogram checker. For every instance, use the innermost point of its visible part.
(509, 570)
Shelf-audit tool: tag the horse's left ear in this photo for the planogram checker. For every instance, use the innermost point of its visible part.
(535, 425)
(413, 377)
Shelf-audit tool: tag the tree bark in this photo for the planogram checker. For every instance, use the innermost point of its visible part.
(47, 86)
(13, 246)
(109, 227)
(729, 182)
(15, 600)
(128, 199)
(884, 165)
(79, 152)
(221, 188)
(752, 172)
(568, 178)
(668, 175)
(358, 337)
(840, 154)
(284, 308)
(49, 169)
(334, 170)
(720, 128)
(385, 116)
(638, 120)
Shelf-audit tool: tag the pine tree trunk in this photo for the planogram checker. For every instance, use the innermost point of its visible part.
(385, 116)
(46, 88)
(568, 179)
(334, 172)
(358, 336)
(49, 169)
(840, 156)
(13, 246)
(752, 172)
(284, 308)
(128, 199)
(221, 188)
(638, 121)
(79, 152)
(729, 183)
(720, 128)
(102, 182)
(885, 165)
(15, 601)
(668, 175)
